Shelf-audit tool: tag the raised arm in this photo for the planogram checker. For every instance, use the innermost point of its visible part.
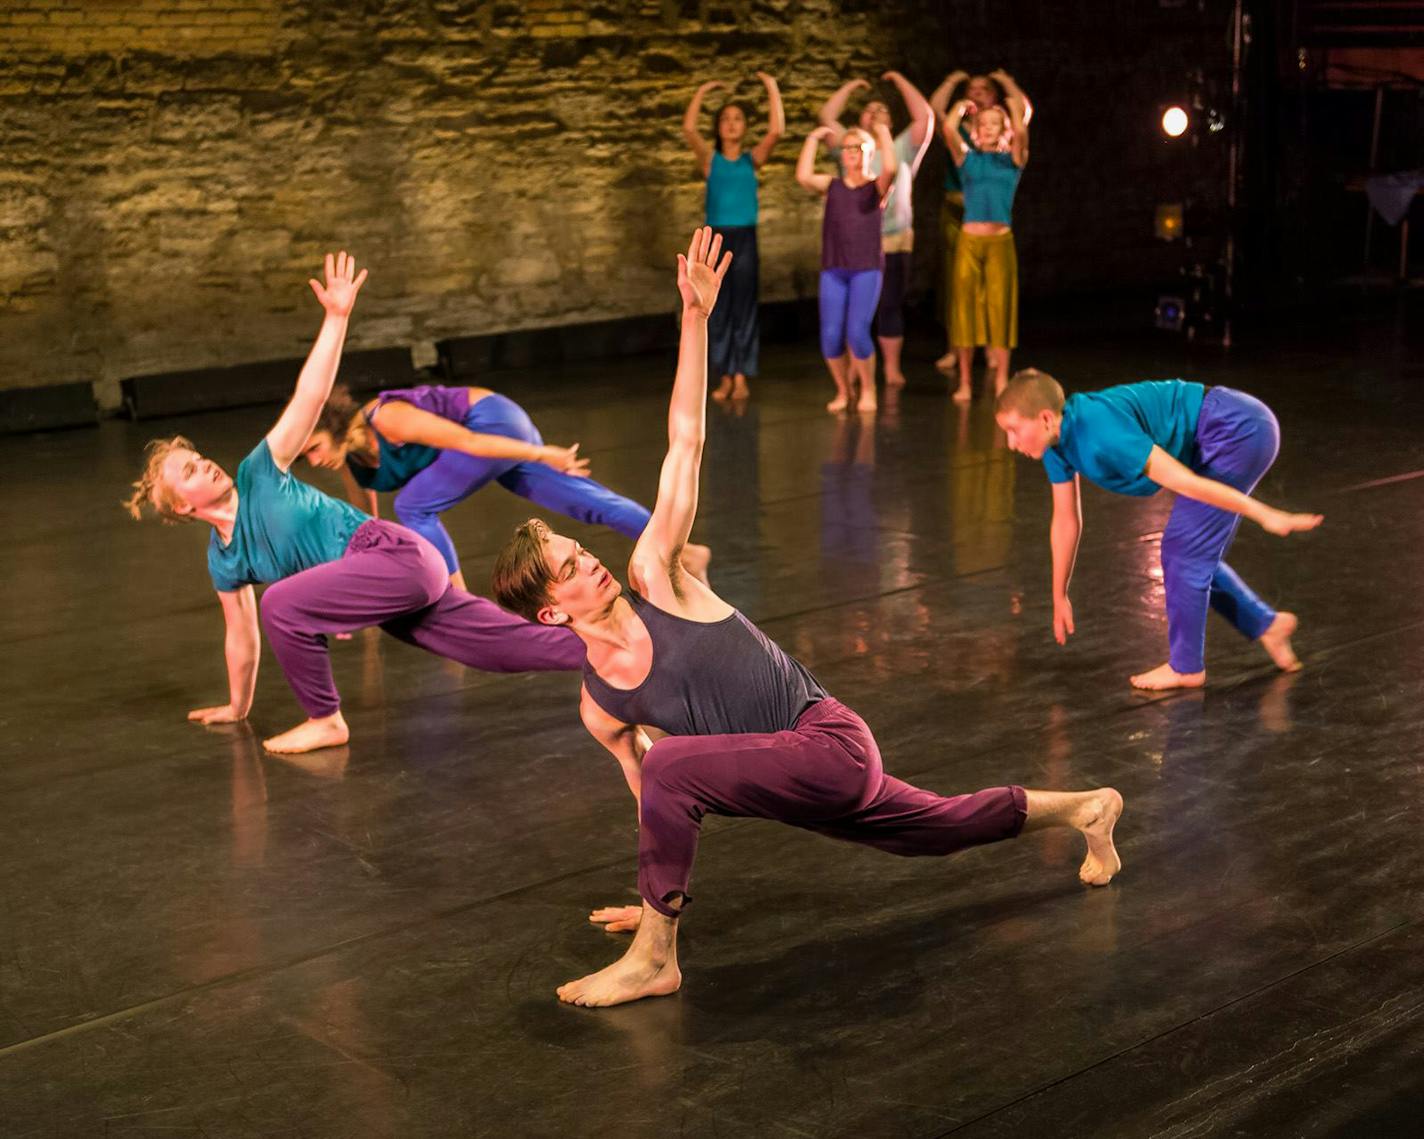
(921, 113)
(337, 297)
(1175, 476)
(940, 96)
(699, 277)
(242, 646)
(691, 128)
(776, 120)
(806, 163)
(401, 422)
(832, 109)
(1063, 534)
(1013, 91)
(1018, 125)
(950, 129)
(889, 160)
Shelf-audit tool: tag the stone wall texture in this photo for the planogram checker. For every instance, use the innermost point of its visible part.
(172, 170)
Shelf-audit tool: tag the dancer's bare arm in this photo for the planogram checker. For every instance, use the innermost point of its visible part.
(1176, 476)
(829, 116)
(950, 130)
(242, 647)
(627, 743)
(656, 565)
(1018, 122)
(806, 163)
(1013, 91)
(401, 422)
(337, 297)
(776, 120)
(889, 160)
(921, 113)
(1063, 534)
(940, 96)
(363, 498)
(691, 131)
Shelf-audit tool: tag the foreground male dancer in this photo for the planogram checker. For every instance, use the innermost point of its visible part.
(1209, 446)
(750, 731)
(331, 568)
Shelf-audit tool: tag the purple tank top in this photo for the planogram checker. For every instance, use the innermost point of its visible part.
(850, 233)
(709, 679)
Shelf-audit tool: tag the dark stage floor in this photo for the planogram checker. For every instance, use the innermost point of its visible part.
(197, 939)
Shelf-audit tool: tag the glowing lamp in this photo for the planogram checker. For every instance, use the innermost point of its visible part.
(1174, 122)
(1167, 223)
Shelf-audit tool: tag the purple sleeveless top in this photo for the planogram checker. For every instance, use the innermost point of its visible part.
(850, 232)
(709, 679)
(398, 464)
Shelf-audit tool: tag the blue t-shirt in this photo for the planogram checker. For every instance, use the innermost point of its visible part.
(1106, 436)
(990, 180)
(731, 191)
(283, 526)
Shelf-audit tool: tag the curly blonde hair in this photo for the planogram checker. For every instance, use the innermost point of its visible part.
(150, 489)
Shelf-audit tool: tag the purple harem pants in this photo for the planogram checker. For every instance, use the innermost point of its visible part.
(392, 577)
(1237, 440)
(823, 775)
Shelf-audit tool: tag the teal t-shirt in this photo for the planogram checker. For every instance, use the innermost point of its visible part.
(398, 463)
(731, 191)
(1106, 436)
(990, 179)
(283, 526)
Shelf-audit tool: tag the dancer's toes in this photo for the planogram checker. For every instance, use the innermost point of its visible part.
(949, 362)
(329, 731)
(1096, 820)
(897, 380)
(1277, 642)
(867, 402)
(962, 394)
(724, 389)
(628, 979)
(838, 404)
(740, 390)
(1164, 677)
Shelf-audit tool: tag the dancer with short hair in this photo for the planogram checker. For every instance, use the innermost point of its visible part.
(852, 261)
(750, 732)
(437, 446)
(897, 228)
(1209, 445)
(730, 167)
(328, 567)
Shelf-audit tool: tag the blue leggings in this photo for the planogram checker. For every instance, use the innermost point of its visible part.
(848, 300)
(1237, 440)
(454, 476)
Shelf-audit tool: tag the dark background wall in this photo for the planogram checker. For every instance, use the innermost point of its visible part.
(172, 170)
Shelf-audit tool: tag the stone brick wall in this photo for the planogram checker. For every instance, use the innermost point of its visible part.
(172, 170)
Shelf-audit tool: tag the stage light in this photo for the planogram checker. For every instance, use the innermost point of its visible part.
(1168, 222)
(1174, 122)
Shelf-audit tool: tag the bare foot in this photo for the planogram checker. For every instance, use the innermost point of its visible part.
(630, 978)
(838, 404)
(695, 560)
(1164, 676)
(329, 731)
(724, 389)
(1277, 642)
(895, 381)
(1096, 820)
(949, 362)
(866, 401)
(740, 389)
(963, 394)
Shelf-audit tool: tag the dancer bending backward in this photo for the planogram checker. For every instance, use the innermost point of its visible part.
(984, 91)
(332, 568)
(731, 173)
(851, 257)
(437, 446)
(750, 731)
(1210, 446)
(897, 228)
(984, 306)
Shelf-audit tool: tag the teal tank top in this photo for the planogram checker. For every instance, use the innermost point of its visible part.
(731, 191)
(283, 526)
(990, 180)
(398, 463)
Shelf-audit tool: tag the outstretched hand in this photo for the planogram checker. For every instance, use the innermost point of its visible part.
(822, 133)
(1281, 523)
(700, 273)
(617, 919)
(565, 460)
(338, 295)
